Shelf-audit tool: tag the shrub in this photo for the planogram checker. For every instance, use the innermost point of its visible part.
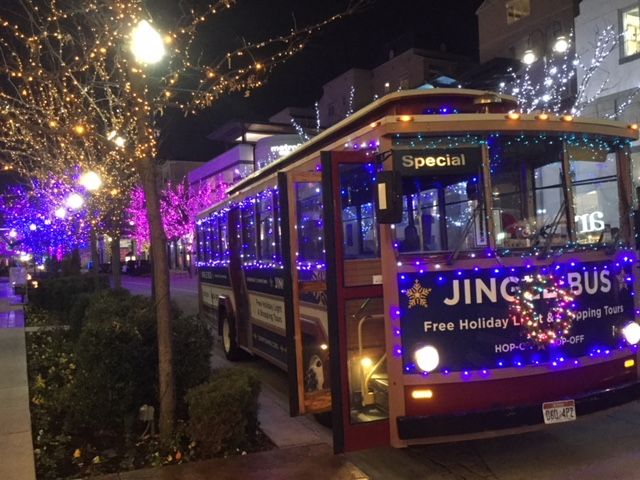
(117, 356)
(192, 344)
(88, 382)
(51, 370)
(117, 364)
(60, 294)
(223, 413)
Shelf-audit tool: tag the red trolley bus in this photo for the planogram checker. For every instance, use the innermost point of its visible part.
(434, 268)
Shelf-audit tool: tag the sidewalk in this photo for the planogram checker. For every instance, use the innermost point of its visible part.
(16, 446)
(311, 462)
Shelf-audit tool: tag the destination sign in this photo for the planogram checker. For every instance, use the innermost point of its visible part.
(440, 161)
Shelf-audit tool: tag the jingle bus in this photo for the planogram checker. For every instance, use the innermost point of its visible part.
(435, 267)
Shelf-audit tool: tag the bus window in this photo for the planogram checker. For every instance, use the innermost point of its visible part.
(278, 232)
(223, 228)
(248, 214)
(528, 199)
(215, 238)
(360, 231)
(442, 213)
(462, 207)
(267, 241)
(594, 177)
(310, 226)
(206, 239)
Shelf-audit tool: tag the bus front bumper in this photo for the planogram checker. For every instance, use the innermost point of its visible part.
(417, 427)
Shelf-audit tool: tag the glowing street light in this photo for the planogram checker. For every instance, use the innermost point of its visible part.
(561, 45)
(529, 57)
(147, 45)
(74, 201)
(91, 181)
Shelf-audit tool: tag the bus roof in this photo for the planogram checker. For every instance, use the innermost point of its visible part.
(478, 99)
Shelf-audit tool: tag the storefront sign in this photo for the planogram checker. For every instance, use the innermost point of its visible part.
(465, 315)
(441, 161)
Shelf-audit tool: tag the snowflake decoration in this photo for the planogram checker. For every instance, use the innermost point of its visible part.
(418, 295)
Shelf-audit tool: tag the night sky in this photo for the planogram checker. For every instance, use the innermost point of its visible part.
(361, 40)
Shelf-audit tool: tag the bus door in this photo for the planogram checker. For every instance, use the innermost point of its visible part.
(303, 252)
(357, 347)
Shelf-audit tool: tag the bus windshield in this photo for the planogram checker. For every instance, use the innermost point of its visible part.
(524, 196)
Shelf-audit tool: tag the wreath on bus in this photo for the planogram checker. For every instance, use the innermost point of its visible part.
(543, 328)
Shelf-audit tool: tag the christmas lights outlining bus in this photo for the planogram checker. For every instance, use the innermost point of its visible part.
(435, 268)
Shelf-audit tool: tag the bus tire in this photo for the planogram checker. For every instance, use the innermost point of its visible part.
(229, 343)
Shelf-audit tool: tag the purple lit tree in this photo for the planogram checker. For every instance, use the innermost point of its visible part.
(179, 206)
(39, 223)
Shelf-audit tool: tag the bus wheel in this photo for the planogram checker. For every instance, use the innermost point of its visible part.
(229, 345)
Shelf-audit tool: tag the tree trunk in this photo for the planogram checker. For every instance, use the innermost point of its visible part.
(95, 259)
(116, 268)
(146, 168)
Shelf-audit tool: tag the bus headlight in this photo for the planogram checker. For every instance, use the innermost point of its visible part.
(427, 358)
(631, 333)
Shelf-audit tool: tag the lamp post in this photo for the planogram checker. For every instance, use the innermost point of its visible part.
(147, 48)
(91, 181)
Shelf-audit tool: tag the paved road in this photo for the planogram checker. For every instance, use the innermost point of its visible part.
(605, 446)
(184, 290)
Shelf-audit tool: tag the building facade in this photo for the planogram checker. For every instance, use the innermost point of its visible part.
(615, 85)
(509, 28)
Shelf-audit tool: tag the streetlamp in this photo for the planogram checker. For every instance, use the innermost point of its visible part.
(74, 201)
(561, 45)
(147, 45)
(90, 180)
(529, 57)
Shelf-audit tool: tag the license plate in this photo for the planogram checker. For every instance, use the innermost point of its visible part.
(559, 412)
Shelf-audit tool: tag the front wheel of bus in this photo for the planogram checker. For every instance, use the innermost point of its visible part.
(229, 345)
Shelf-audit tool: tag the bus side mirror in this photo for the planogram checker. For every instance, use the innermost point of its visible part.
(389, 197)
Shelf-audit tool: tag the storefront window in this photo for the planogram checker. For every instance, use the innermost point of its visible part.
(517, 9)
(630, 23)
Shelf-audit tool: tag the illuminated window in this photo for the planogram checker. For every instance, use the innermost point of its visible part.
(630, 24)
(517, 9)
(249, 232)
